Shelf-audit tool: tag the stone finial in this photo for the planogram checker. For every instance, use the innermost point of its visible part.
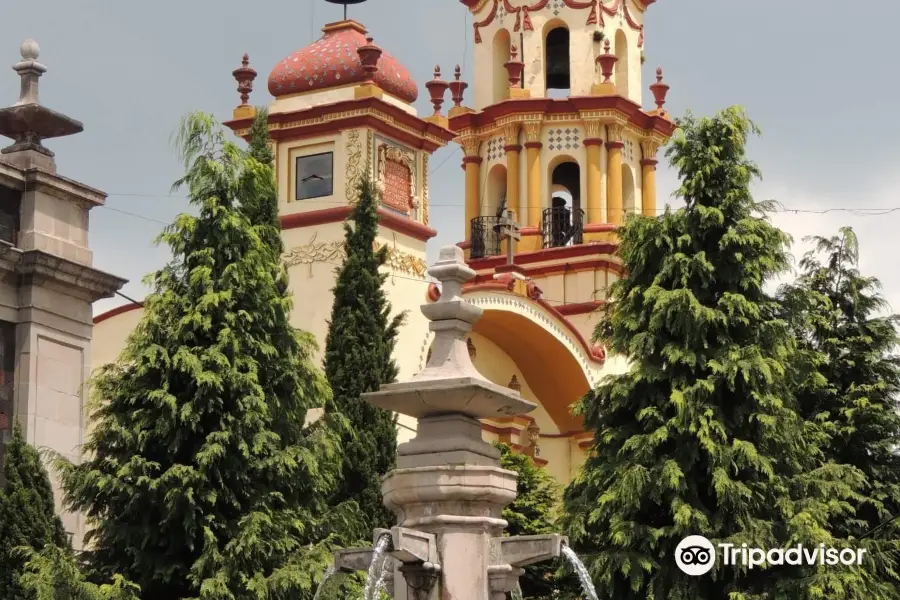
(437, 87)
(660, 90)
(30, 71)
(369, 55)
(607, 62)
(514, 67)
(457, 87)
(244, 75)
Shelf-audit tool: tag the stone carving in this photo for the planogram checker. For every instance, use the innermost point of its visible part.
(615, 132)
(471, 145)
(354, 171)
(396, 177)
(649, 149)
(593, 129)
(533, 131)
(511, 134)
(425, 188)
(334, 252)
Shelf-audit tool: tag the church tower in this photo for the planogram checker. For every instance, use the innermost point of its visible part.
(342, 109)
(556, 132)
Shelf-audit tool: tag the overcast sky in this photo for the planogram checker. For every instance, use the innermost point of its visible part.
(813, 74)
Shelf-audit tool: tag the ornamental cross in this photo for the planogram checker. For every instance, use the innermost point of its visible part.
(509, 229)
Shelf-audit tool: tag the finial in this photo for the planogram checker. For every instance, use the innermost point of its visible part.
(660, 90)
(514, 384)
(437, 87)
(244, 75)
(457, 87)
(514, 68)
(30, 50)
(29, 70)
(369, 55)
(607, 62)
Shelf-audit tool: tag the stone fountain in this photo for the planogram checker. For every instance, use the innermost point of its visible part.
(448, 490)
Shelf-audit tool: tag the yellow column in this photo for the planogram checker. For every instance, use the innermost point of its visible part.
(614, 145)
(472, 163)
(594, 191)
(533, 199)
(512, 169)
(648, 178)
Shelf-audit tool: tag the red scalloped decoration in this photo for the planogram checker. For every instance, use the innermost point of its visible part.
(333, 61)
(595, 17)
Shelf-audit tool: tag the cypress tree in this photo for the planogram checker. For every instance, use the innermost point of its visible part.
(202, 477)
(533, 512)
(700, 436)
(28, 518)
(853, 384)
(260, 201)
(358, 359)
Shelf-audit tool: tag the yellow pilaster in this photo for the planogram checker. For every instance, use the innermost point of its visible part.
(648, 177)
(513, 150)
(614, 209)
(533, 175)
(472, 162)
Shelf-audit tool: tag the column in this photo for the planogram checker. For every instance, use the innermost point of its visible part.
(614, 145)
(472, 163)
(512, 169)
(648, 178)
(592, 143)
(533, 173)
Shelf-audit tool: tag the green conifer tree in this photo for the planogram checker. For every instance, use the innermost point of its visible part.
(260, 201)
(700, 436)
(533, 512)
(202, 477)
(851, 341)
(358, 359)
(28, 518)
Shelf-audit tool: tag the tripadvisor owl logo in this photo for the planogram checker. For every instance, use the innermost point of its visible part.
(695, 555)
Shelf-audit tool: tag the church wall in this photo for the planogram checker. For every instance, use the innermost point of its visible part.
(287, 153)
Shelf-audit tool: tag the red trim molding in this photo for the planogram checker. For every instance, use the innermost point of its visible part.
(548, 254)
(554, 106)
(338, 214)
(580, 308)
(117, 311)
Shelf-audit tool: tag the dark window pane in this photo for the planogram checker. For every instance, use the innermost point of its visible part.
(9, 215)
(315, 176)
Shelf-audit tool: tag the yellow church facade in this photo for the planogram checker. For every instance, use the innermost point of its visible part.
(556, 150)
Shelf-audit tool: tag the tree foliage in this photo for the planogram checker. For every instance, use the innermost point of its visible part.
(701, 435)
(533, 512)
(259, 199)
(359, 350)
(54, 574)
(28, 518)
(203, 478)
(850, 382)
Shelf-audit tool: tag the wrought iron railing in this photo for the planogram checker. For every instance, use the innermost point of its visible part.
(485, 237)
(562, 226)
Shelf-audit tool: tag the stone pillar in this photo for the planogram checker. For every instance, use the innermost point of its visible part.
(472, 162)
(534, 200)
(648, 178)
(511, 133)
(592, 143)
(614, 209)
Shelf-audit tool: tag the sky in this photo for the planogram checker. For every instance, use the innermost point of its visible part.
(812, 74)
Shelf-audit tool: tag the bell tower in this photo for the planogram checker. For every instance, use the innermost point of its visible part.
(342, 110)
(556, 132)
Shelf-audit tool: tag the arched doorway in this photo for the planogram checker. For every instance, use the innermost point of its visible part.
(562, 221)
(628, 191)
(557, 63)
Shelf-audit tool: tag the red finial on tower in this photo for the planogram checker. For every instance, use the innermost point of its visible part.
(244, 75)
(514, 67)
(437, 87)
(457, 87)
(607, 62)
(659, 90)
(369, 55)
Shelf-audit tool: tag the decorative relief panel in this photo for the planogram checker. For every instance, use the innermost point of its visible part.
(495, 149)
(425, 188)
(628, 151)
(395, 176)
(355, 166)
(334, 253)
(568, 138)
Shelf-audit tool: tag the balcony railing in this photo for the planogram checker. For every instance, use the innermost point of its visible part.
(485, 237)
(562, 226)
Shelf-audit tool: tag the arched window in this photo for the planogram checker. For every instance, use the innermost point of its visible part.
(501, 57)
(495, 196)
(622, 65)
(557, 65)
(562, 222)
(628, 193)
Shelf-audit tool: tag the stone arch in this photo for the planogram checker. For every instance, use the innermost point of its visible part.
(623, 66)
(557, 58)
(495, 192)
(564, 175)
(500, 56)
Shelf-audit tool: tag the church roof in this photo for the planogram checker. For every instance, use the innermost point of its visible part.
(332, 61)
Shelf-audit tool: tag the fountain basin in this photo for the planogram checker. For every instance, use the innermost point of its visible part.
(458, 490)
(470, 396)
(524, 550)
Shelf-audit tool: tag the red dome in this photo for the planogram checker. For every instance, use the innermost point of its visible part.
(332, 61)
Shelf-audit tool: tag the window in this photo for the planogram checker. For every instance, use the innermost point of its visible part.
(315, 175)
(9, 215)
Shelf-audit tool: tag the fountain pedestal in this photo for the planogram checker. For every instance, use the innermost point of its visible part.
(448, 490)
